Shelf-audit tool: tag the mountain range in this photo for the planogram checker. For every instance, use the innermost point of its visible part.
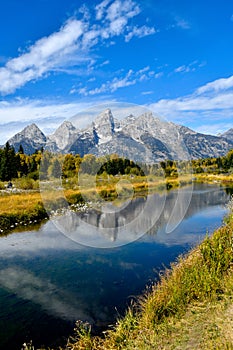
(145, 138)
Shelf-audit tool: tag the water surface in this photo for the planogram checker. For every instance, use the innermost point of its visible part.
(47, 281)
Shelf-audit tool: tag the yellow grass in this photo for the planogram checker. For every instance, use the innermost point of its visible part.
(18, 203)
(214, 177)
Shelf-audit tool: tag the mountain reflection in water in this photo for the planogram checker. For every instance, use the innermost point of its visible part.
(47, 281)
(112, 226)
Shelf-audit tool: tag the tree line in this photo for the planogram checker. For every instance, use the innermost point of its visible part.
(45, 164)
(15, 165)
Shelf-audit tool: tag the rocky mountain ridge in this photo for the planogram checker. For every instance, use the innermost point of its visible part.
(145, 138)
(228, 134)
(31, 138)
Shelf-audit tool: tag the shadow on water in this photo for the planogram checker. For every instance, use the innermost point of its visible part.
(47, 281)
(229, 190)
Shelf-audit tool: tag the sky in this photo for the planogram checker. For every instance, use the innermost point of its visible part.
(58, 58)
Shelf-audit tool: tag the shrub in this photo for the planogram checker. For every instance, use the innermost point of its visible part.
(75, 198)
(26, 183)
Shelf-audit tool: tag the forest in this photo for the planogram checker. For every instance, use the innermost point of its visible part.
(46, 165)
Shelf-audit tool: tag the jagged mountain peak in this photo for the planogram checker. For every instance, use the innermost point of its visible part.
(62, 137)
(29, 131)
(185, 130)
(130, 119)
(31, 138)
(104, 117)
(148, 120)
(144, 138)
(147, 115)
(32, 128)
(104, 126)
(65, 126)
(68, 125)
(228, 134)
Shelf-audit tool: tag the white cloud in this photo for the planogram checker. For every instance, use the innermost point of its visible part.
(91, 38)
(116, 18)
(215, 129)
(119, 9)
(105, 63)
(100, 9)
(117, 25)
(140, 32)
(181, 23)
(217, 85)
(158, 75)
(41, 57)
(147, 92)
(196, 103)
(46, 114)
(69, 46)
(191, 67)
(130, 78)
(45, 48)
(98, 90)
(118, 15)
(181, 69)
(126, 81)
(29, 110)
(85, 12)
(212, 110)
(55, 300)
(143, 70)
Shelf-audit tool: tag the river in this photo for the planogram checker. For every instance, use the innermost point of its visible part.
(48, 279)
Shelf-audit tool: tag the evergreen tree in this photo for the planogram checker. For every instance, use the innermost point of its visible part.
(24, 169)
(21, 150)
(9, 163)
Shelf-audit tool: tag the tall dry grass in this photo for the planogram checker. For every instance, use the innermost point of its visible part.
(191, 297)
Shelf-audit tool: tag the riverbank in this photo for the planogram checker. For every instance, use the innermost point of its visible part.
(20, 207)
(190, 308)
(215, 178)
(19, 210)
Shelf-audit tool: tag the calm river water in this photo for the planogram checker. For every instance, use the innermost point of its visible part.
(47, 281)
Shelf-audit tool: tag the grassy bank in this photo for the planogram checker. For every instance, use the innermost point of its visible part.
(213, 178)
(20, 209)
(190, 308)
(26, 206)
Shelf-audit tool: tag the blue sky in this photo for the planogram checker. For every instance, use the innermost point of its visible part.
(60, 57)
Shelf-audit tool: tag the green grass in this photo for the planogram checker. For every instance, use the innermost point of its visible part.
(190, 308)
